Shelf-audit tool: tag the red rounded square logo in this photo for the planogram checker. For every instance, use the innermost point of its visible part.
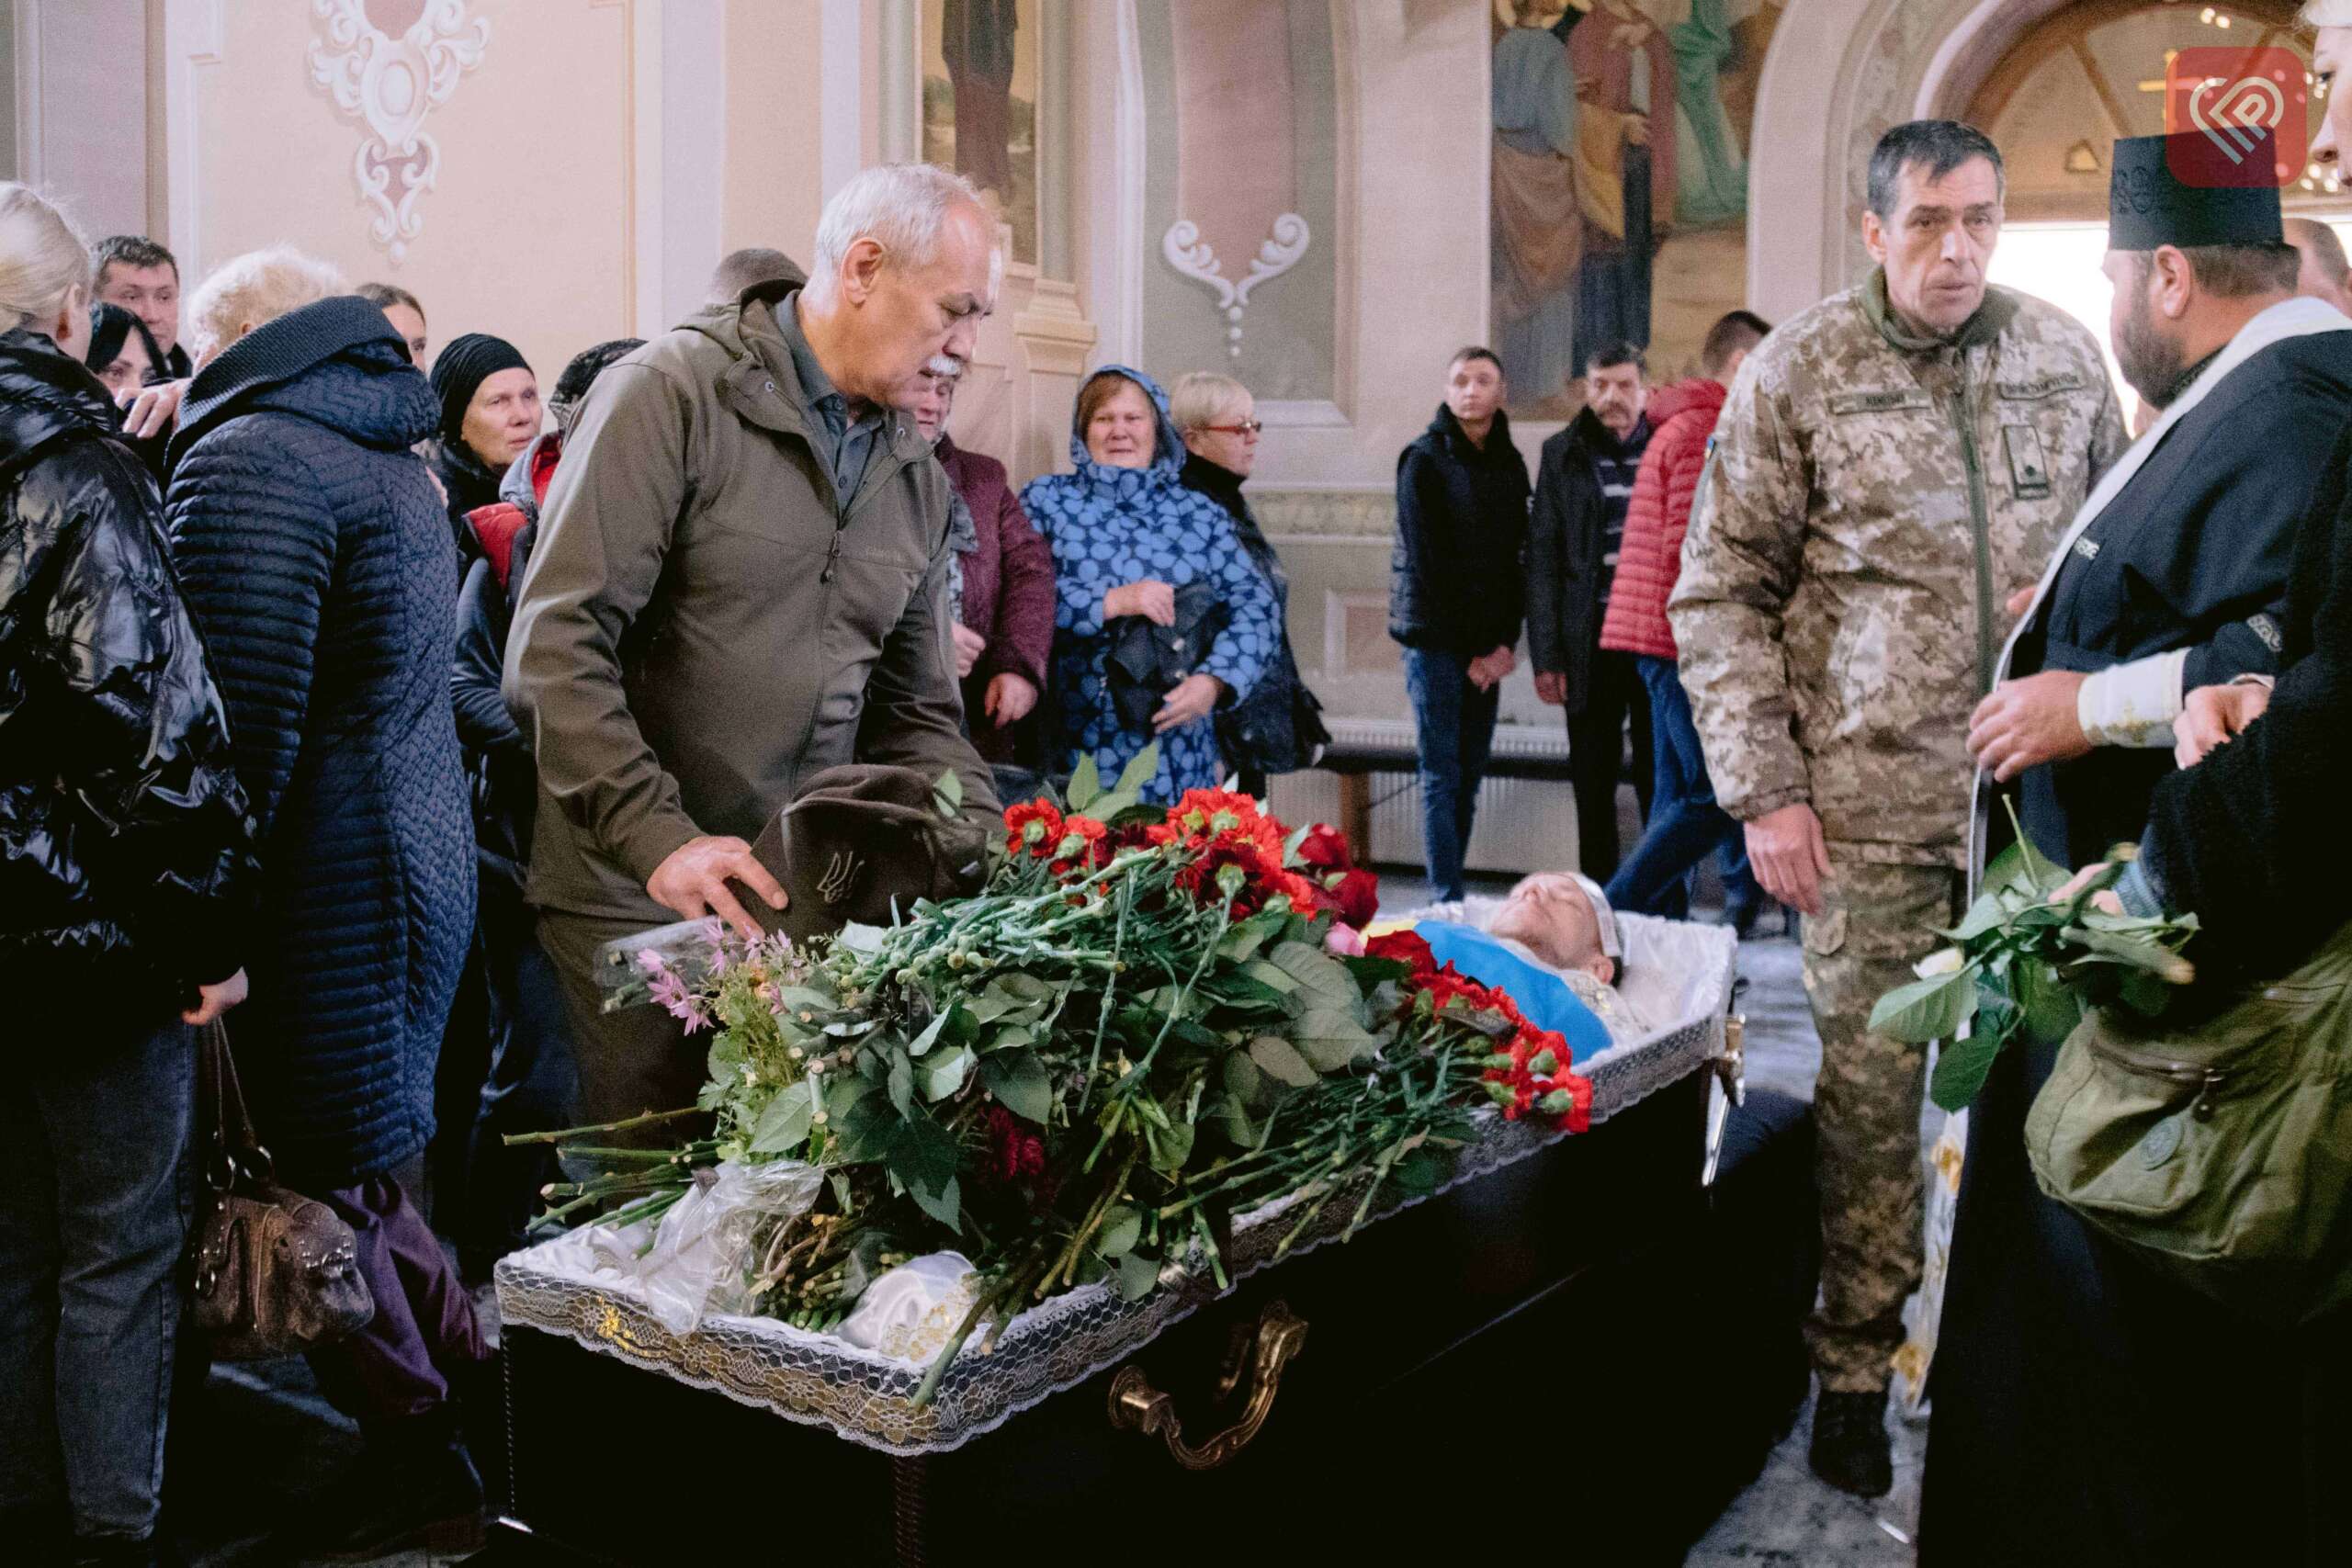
(2237, 117)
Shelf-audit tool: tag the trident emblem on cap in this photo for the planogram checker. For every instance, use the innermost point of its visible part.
(841, 873)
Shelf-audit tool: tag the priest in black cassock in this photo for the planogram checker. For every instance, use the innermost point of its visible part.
(2085, 1411)
(2173, 575)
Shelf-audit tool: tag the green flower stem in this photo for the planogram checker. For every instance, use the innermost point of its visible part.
(650, 1119)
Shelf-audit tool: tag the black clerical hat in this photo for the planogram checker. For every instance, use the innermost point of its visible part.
(2150, 204)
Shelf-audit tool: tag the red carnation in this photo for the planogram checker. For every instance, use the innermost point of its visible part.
(1080, 846)
(1035, 826)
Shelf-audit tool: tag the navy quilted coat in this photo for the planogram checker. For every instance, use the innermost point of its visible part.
(317, 558)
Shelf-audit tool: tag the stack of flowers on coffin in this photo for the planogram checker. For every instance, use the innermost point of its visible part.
(1151, 1021)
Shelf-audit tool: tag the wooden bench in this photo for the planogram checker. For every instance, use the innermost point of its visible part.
(1354, 763)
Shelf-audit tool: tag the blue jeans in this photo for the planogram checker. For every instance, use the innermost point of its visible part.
(1685, 822)
(95, 1196)
(1455, 722)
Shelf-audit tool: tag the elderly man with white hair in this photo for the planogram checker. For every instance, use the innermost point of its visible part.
(740, 581)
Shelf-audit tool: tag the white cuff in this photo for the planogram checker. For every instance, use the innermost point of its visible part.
(2133, 704)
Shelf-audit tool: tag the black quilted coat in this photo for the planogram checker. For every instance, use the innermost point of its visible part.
(317, 558)
(123, 838)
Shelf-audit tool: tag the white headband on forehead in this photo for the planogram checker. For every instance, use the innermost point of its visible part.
(1603, 916)
(2329, 14)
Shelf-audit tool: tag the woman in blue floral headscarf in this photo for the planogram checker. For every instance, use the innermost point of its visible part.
(1126, 536)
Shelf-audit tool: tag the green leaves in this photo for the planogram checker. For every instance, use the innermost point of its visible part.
(1282, 1061)
(1317, 972)
(1933, 1009)
(1088, 795)
(1122, 1228)
(1020, 1083)
(944, 1075)
(784, 1126)
(923, 1160)
(947, 795)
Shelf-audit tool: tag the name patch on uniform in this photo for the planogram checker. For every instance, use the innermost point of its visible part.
(2029, 471)
(1890, 401)
(2036, 390)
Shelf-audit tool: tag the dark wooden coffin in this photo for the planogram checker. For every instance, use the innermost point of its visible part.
(1573, 1356)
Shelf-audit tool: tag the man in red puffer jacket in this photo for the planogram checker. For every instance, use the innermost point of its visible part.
(1685, 823)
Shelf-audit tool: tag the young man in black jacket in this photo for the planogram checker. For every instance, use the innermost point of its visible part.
(1584, 484)
(1454, 596)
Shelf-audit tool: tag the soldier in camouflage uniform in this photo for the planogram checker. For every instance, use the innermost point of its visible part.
(1891, 465)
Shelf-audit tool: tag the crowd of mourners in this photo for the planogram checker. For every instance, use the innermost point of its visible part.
(277, 760)
(355, 693)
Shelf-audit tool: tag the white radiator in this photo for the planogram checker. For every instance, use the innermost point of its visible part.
(1523, 825)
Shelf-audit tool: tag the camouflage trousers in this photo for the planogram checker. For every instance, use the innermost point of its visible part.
(1877, 920)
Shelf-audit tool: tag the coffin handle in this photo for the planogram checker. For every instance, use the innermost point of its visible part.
(1137, 1406)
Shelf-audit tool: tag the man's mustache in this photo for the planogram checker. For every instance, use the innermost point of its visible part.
(945, 366)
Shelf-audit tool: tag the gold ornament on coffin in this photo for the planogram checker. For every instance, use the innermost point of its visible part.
(1264, 1352)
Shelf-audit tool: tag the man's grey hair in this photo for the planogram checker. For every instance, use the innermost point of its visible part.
(2320, 241)
(902, 206)
(1937, 146)
(254, 289)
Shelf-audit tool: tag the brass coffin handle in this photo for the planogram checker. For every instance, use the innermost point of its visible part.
(1137, 1406)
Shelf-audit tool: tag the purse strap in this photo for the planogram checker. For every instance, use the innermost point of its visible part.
(236, 1149)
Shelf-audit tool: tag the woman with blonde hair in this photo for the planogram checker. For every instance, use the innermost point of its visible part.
(124, 858)
(1278, 729)
(316, 554)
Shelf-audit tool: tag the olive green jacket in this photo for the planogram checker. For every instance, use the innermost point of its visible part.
(1870, 503)
(704, 624)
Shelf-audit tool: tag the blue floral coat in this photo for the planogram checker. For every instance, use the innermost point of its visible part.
(1112, 526)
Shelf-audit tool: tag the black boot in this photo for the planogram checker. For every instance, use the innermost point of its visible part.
(1851, 1449)
(412, 1485)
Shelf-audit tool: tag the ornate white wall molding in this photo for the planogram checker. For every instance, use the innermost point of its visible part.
(1190, 255)
(391, 84)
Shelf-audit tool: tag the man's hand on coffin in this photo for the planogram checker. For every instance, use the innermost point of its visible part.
(693, 881)
(1790, 855)
(969, 646)
(1552, 686)
(2209, 716)
(1189, 699)
(2027, 723)
(211, 1002)
(1153, 599)
(1010, 698)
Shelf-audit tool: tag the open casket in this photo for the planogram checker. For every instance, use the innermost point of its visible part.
(1530, 1341)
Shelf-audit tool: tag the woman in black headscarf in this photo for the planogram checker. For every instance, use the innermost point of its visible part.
(490, 414)
(122, 354)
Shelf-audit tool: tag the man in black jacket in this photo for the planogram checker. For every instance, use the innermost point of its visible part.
(1584, 483)
(1454, 595)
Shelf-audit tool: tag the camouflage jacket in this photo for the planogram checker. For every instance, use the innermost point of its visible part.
(1871, 504)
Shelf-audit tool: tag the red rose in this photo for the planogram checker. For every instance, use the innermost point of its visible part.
(1358, 891)
(1404, 947)
(1326, 849)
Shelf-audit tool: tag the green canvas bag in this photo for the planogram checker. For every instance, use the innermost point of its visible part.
(2219, 1151)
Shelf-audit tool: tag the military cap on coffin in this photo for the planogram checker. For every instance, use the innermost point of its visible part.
(2149, 204)
(859, 838)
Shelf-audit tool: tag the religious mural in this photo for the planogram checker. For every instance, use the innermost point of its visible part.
(980, 105)
(1619, 181)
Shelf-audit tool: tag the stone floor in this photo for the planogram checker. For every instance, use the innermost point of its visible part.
(271, 1417)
